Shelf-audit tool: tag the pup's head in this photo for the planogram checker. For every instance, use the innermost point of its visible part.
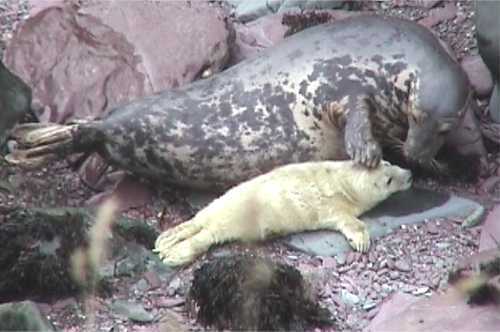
(373, 185)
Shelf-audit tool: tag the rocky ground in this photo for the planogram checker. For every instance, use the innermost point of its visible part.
(414, 259)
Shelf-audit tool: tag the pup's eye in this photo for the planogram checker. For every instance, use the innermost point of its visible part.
(389, 180)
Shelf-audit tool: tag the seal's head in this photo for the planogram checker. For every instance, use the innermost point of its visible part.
(434, 111)
(370, 186)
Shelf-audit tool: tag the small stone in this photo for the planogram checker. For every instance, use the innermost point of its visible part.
(152, 279)
(443, 245)
(420, 290)
(402, 266)
(133, 311)
(387, 288)
(341, 259)
(432, 229)
(393, 275)
(329, 262)
(372, 313)
(349, 298)
(368, 305)
(141, 286)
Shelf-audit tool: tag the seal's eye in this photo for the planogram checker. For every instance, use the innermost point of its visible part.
(389, 180)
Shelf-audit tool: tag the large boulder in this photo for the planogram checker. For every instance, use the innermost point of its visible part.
(81, 62)
(488, 41)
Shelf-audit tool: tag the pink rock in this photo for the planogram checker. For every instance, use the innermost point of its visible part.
(255, 36)
(438, 15)
(75, 65)
(479, 75)
(153, 279)
(490, 230)
(175, 40)
(37, 6)
(446, 312)
(392, 307)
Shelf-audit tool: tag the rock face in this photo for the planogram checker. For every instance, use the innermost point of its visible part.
(443, 312)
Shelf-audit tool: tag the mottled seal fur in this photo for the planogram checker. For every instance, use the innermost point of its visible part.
(335, 91)
(293, 198)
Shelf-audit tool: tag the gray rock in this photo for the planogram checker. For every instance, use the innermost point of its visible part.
(479, 75)
(301, 5)
(349, 298)
(247, 11)
(22, 316)
(421, 291)
(410, 207)
(443, 245)
(368, 305)
(494, 105)
(402, 266)
(133, 311)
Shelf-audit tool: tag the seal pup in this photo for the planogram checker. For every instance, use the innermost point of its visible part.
(294, 198)
(342, 90)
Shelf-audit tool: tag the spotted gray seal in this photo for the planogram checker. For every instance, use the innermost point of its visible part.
(334, 91)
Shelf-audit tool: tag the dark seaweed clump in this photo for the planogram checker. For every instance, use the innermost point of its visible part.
(243, 292)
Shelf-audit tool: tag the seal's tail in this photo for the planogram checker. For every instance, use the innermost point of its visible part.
(40, 143)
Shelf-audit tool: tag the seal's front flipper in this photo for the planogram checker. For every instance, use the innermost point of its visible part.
(361, 145)
(175, 235)
(355, 230)
(186, 251)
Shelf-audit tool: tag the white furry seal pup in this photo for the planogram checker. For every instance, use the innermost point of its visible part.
(294, 198)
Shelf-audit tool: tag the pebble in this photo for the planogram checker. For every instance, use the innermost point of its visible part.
(420, 290)
(443, 245)
(402, 266)
(349, 298)
(393, 275)
(432, 229)
(368, 305)
(341, 259)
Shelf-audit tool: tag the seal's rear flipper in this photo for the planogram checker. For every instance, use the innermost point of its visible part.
(37, 134)
(41, 143)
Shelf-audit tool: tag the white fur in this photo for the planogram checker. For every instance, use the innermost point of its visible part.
(293, 198)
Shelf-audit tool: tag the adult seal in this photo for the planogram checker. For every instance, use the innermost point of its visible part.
(348, 89)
